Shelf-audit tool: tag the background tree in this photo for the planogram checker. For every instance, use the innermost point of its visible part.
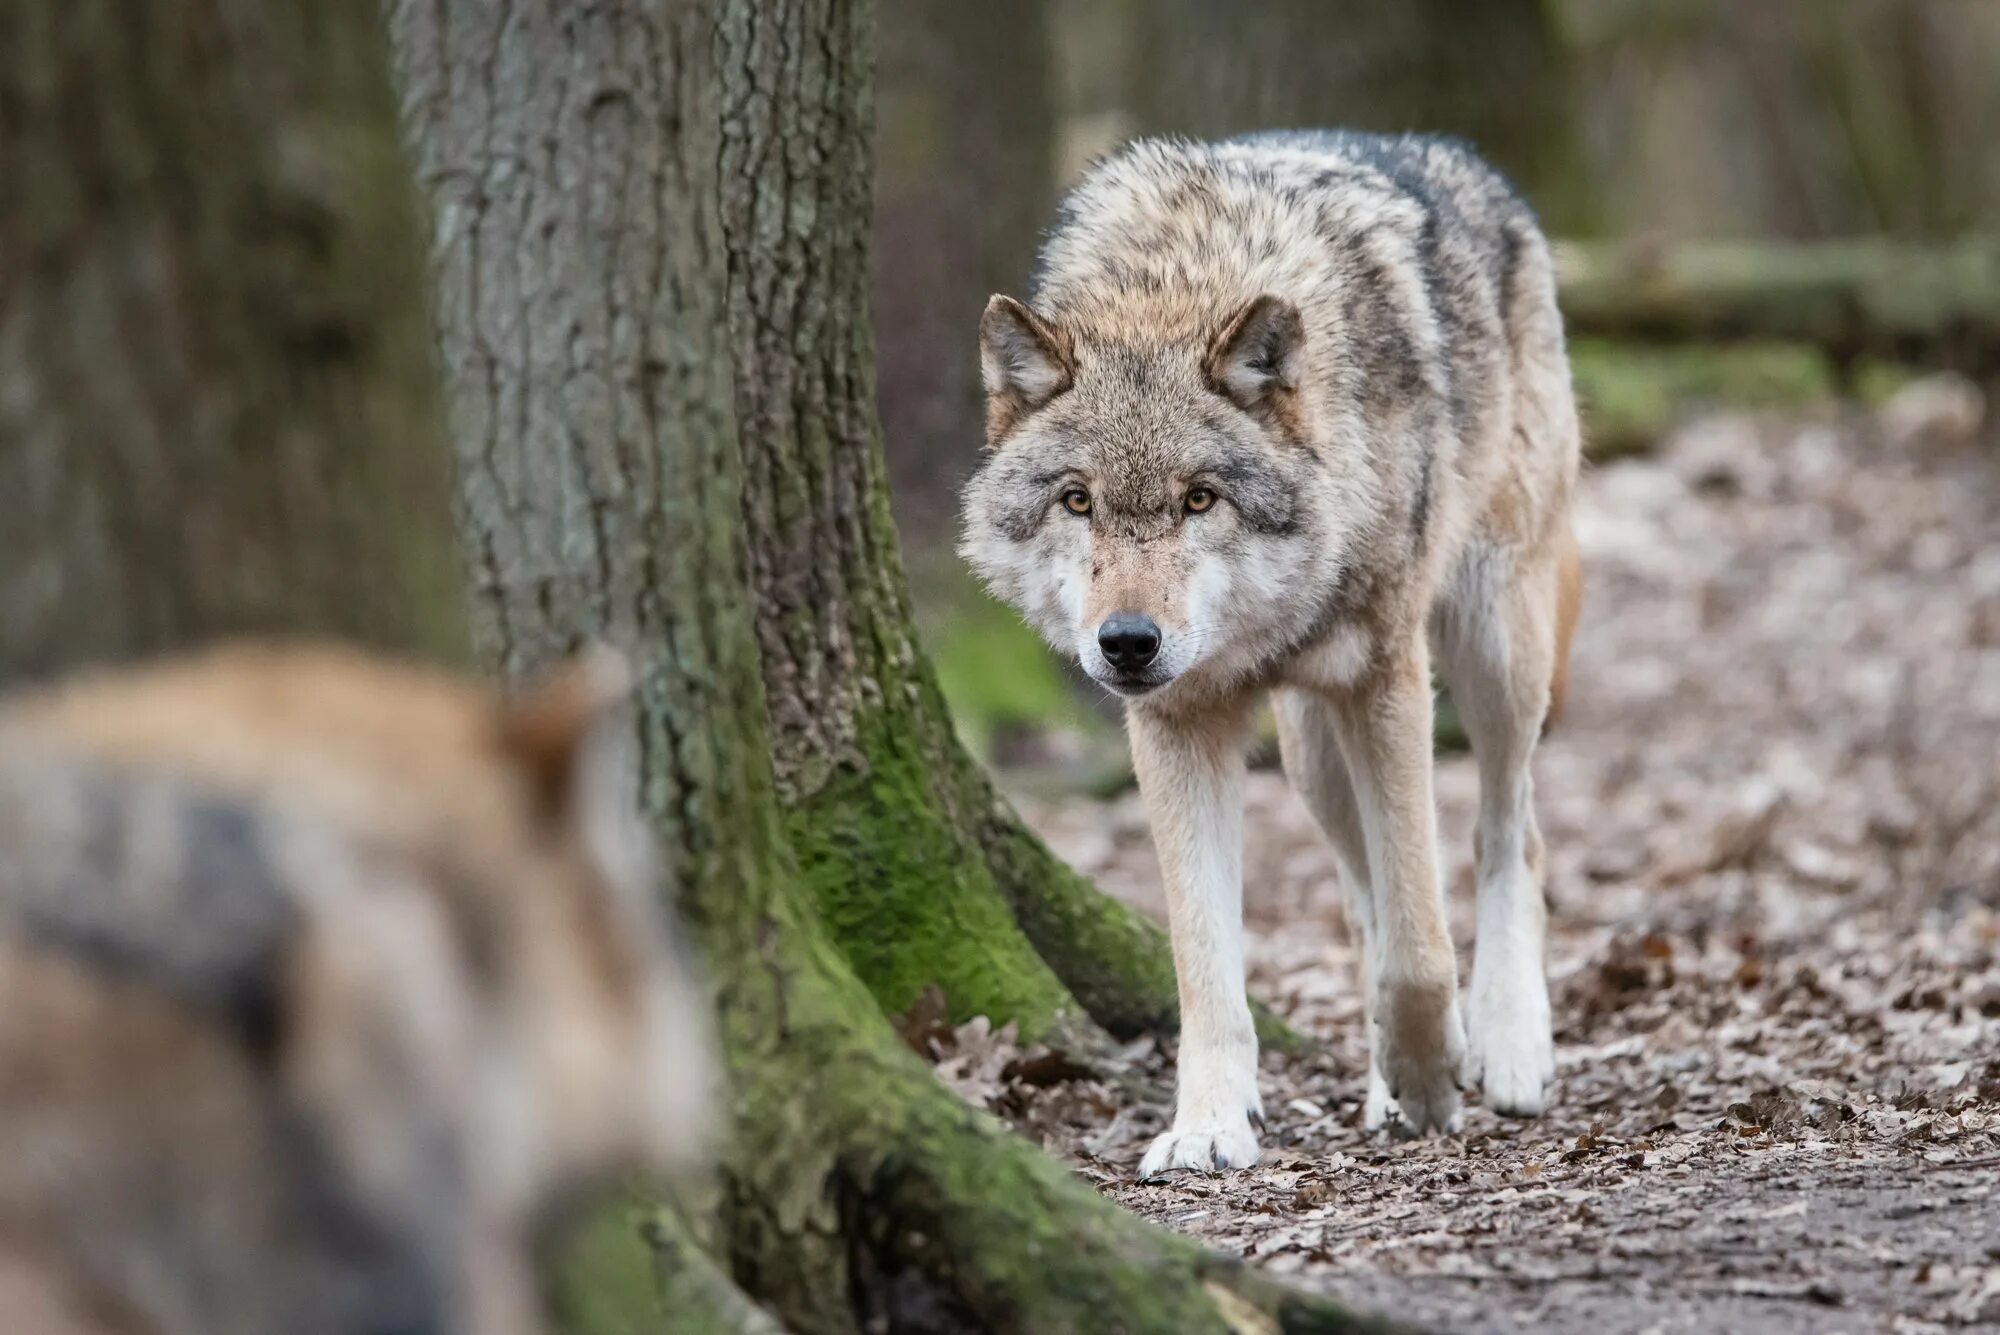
(1494, 73)
(217, 405)
(965, 180)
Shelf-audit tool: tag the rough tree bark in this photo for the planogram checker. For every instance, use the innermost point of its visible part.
(574, 158)
(217, 405)
(862, 748)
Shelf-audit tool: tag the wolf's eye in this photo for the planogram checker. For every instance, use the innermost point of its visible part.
(1199, 499)
(1077, 501)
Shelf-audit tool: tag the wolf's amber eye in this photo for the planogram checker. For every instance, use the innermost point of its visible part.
(1077, 501)
(1199, 499)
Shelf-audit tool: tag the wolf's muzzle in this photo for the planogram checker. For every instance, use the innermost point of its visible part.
(1129, 641)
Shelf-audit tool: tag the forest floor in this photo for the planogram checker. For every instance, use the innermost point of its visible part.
(1773, 816)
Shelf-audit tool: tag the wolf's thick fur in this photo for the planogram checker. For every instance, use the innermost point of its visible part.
(1297, 407)
(321, 979)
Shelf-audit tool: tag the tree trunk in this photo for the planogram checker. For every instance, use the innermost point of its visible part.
(575, 162)
(217, 406)
(858, 733)
(965, 180)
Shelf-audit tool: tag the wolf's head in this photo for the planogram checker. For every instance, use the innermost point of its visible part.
(1154, 508)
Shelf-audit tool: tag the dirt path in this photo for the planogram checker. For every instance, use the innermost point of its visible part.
(1774, 821)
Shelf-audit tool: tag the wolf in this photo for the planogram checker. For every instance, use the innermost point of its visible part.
(1290, 416)
(324, 982)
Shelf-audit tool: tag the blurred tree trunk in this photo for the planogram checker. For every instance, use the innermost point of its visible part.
(588, 171)
(217, 405)
(965, 180)
(1494, 73)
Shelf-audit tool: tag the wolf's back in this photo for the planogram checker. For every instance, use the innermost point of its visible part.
(1410, 238)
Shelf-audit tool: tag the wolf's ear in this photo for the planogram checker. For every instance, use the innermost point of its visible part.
(1257, 359)
(1024, 361)
(574, 737)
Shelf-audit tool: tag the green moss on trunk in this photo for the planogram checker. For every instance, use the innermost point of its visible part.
(633, 1268)
(911, 899)
(857, 729)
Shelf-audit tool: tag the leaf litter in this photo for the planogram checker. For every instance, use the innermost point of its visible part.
(1772, 811)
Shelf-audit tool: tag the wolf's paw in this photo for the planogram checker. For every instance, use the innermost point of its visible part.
(1420, 1047)
(1511, 1052)
(1210, 1148)
(1379, 1108)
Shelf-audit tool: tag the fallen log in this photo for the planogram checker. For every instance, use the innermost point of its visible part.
(1929, 305)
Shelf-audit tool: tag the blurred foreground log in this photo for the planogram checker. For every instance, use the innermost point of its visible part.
(1935, 306)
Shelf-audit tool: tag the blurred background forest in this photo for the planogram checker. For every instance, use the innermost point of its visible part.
(1824, 173)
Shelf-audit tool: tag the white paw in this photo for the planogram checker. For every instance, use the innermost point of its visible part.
(1212, 1148)
(1420, 1046)
(1512, 1052)
(1379, 1108)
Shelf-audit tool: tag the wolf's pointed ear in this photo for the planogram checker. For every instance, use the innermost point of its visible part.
(573, 736)
(1257, 359)
(1024, 361)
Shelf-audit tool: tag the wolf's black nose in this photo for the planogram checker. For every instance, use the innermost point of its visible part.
(1129, 641)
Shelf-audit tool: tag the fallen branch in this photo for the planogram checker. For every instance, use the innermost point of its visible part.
(1936, 305)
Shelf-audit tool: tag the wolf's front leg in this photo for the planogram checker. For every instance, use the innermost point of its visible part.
(1419, 1036)
(1191, 777)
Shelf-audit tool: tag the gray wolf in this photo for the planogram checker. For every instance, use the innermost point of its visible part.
(323, 981)
(1291, 416)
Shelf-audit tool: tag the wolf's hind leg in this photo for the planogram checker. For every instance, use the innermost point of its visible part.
(1191, 779)
(1498, 637)
(1311, 749)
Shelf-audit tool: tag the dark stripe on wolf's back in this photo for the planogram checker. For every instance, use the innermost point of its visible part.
(1409, 164)
(142, 879)
(1406, 171)
(1511, 245)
